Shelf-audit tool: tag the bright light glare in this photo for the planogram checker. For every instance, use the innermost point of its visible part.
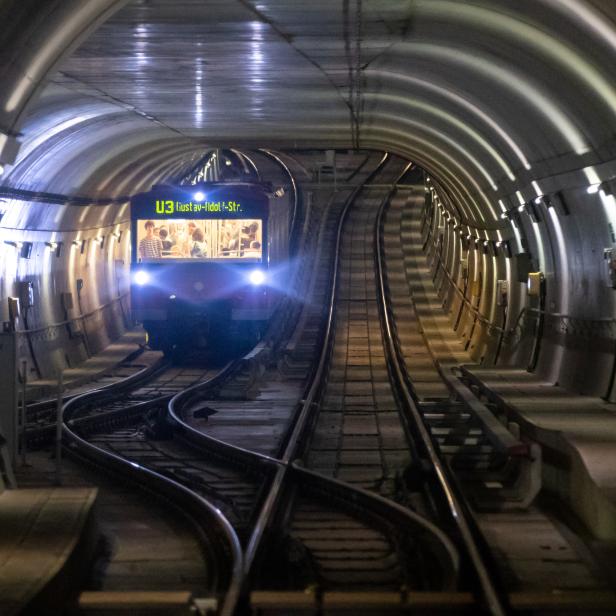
(199, 196)
(256, 277)
(141, 277)
(593, 188)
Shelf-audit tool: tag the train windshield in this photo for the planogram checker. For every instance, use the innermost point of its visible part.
(191, 239)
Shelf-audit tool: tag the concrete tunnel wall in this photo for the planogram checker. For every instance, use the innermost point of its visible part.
(499, 103)
(81, 250)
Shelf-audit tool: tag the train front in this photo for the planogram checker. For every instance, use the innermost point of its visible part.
(199, 265)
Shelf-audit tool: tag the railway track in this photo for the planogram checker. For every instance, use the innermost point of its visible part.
(41, 414)
(133, 441)
(461, 437)
(184, 404)
(124, 427)
(343, 531)
(347, 538)
(497, 471)
(140, 434)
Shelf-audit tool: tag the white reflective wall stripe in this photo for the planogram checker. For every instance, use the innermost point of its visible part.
(509, 79)
(531, 37)
(410, 102)
(450, 160)
(440, 136)
(459, 101)
(456, 185)
(582, 13)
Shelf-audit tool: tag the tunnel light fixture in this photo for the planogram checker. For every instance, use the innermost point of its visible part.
(561, 204)
(228, 162)
(199, 196)
(532, 211)
(521, 207)
(606, 188)
(593, 189)
(545, 199)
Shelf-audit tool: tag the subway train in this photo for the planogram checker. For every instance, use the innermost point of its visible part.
(204, 263)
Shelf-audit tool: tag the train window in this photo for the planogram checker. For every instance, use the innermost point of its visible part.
(210, 239)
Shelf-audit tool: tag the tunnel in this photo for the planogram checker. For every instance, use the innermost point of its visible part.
(506, 110)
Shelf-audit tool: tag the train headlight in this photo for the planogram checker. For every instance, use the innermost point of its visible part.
(256, 277)
(199, 196)
(141, 277)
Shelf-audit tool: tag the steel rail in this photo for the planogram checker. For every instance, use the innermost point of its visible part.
(237, 455)
(298, 425)
(458, 510)
(381, 511)
(384, 509)
(301, 423)
(203, 515)
(107, 392)
(297, 444)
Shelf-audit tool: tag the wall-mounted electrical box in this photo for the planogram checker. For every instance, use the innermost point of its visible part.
(464, 268)
(14, 313)
(26, 294)
(523, 264)
(502, 292)
(66, 299)
(25, 252)
(534, 283)
(609, 254)
(9, 346)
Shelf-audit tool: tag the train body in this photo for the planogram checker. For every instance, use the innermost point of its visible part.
(203, 262)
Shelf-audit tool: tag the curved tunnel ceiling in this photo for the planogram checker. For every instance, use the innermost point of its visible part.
(488, 96)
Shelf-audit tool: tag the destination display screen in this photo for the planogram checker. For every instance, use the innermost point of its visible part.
(239, 201)
(174, 208)
(187, 239)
